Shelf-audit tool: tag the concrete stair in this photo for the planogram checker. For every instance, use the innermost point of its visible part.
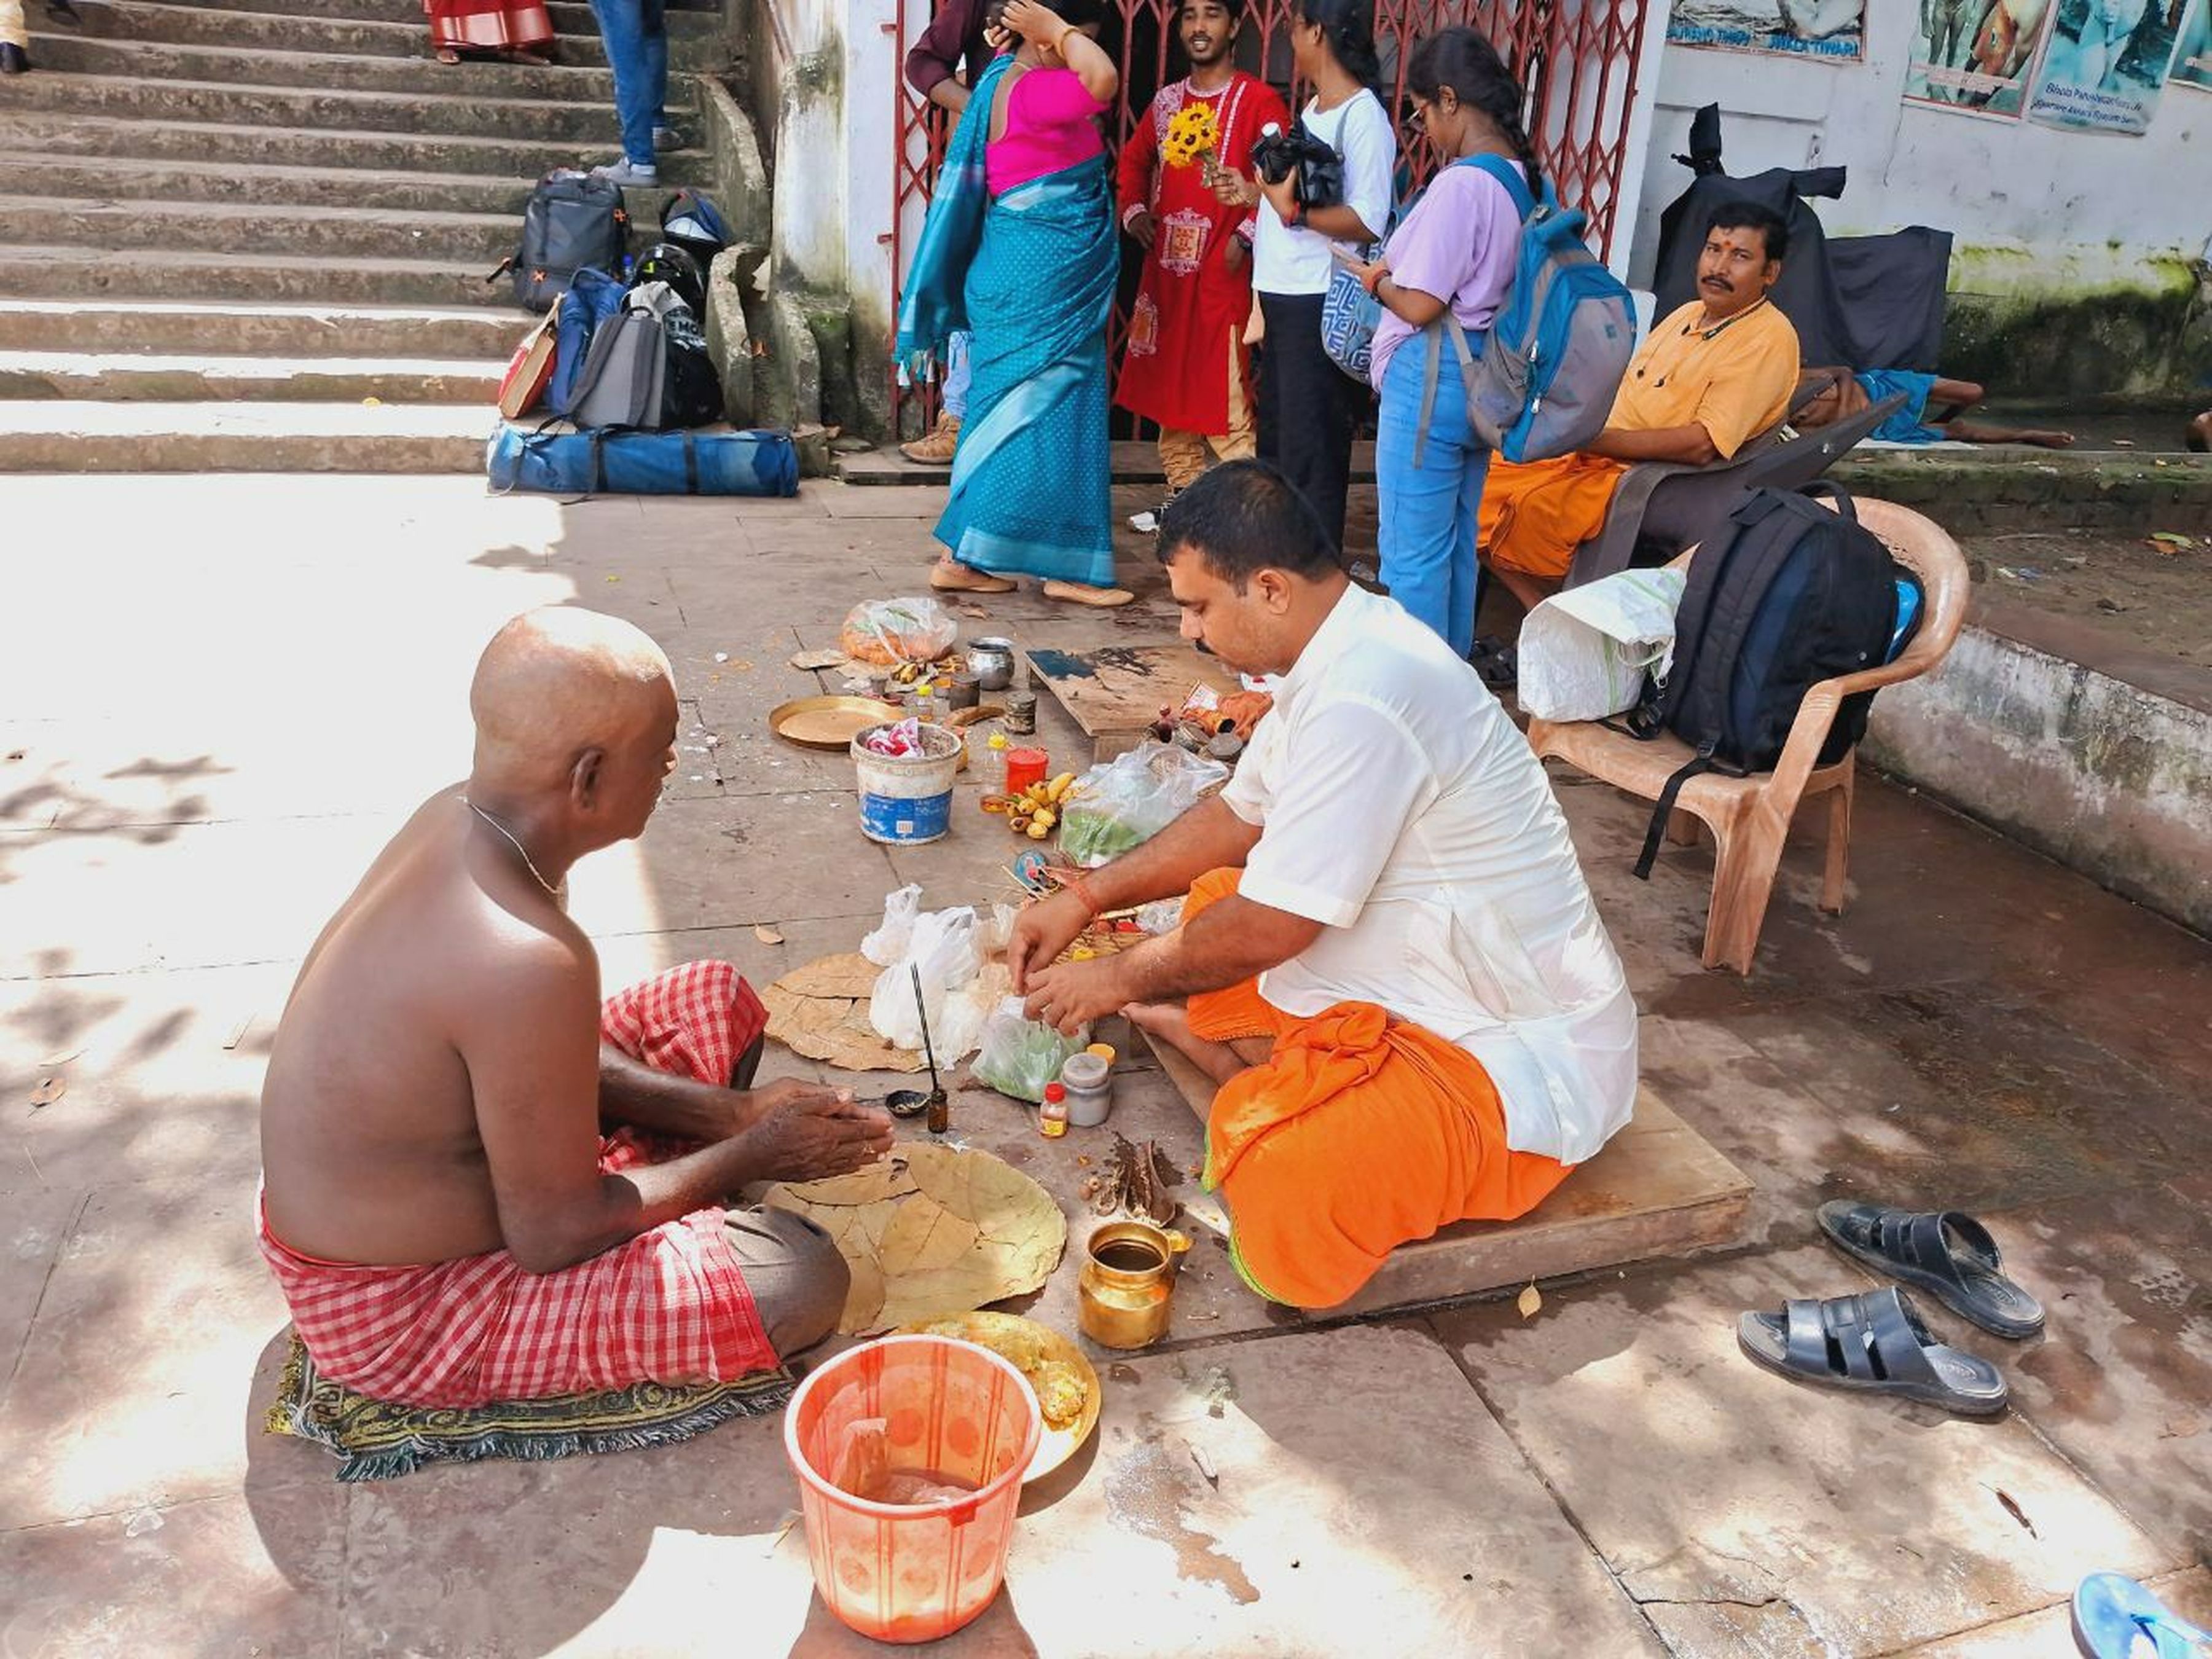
(254, 237)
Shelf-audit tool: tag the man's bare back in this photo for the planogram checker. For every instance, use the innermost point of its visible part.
(369, 1143)
(438, 1088)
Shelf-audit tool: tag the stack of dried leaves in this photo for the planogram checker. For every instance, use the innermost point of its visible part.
(1134, 1181)
(820, 1010)
(932, 1231)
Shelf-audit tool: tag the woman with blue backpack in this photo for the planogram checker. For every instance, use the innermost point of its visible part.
(1454, 250)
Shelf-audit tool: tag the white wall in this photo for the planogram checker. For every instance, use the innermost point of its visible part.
(1990, 183)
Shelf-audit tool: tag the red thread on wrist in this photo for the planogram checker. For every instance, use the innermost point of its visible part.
(1081, 889)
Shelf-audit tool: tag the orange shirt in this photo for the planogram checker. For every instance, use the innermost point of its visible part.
(1734, 379)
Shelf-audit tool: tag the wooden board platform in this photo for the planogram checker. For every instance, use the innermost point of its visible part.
(1658, 1189)
(1115, 692)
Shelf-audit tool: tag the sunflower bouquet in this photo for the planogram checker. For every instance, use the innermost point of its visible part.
(1191, 135)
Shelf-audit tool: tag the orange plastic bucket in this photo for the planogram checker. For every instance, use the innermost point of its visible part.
(913, 1572)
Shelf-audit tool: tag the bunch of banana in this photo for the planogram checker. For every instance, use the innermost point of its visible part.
(1036, 811)
(910, 673)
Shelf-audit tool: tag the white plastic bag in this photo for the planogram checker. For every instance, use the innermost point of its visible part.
(944, 945)
(1129, 800)
(1585, 651)
(887, 945)
(1019, 1056)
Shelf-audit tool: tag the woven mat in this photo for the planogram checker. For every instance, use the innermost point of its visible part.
(378, 1441)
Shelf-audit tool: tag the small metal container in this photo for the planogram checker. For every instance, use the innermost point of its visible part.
(991, 660)
(962, 690)
(1020, 720)
(1127, 1287)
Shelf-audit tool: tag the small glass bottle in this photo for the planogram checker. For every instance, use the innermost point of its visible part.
(1052, 1116)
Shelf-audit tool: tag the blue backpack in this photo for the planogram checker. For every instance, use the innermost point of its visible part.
(592, 297)
(1553, 361)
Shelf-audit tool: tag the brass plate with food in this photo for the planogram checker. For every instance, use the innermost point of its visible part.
(1066, 1382)
(828, 722)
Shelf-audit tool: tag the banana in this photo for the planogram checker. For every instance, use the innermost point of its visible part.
(1038, 831)
(1058, 786)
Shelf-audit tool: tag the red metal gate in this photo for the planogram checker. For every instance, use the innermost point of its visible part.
(1576, 59)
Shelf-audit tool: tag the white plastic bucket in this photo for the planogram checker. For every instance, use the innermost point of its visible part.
(906, 800)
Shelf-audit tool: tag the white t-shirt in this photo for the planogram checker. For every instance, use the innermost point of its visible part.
(1402, 809)
(1291, 259)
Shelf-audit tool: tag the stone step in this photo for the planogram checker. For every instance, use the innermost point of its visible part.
(214, 328)
(24, 174)
(160, 62)
(58, 133)
(83, 273)
(466, 241)
(266, 31)
(569, 16)
(153, 378)
(243, 437)
(456, 114)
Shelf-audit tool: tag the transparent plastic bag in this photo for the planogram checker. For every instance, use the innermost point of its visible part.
(1125, 802)
(1018, 1056)
(887, 632)
(887, 945)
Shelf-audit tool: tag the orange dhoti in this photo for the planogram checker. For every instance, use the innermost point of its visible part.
(1535, 514)
(1360, 1133)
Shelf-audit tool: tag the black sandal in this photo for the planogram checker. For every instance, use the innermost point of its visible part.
(1497, 662)
(1875, 1344)
(1947, 1253)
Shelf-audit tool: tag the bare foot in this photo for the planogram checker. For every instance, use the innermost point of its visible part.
(526, 58)
(2048, 440)
(950, 576)
(1170, 1022)
(446, 55)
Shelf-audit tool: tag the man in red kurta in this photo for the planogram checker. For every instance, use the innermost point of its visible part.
(1186, 368)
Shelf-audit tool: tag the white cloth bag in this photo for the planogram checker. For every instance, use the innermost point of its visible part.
(1585, 651)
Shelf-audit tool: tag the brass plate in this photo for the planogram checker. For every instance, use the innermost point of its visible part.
(1057, 1445)
(828, 722)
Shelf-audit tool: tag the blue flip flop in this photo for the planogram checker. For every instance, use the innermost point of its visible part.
(2115, 1616)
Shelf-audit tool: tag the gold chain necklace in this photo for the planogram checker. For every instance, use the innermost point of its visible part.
(551, 892)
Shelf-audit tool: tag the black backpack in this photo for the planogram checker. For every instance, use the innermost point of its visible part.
(1785, 594)
(571, 219)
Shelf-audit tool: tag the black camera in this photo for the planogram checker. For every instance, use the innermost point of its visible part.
(1318, 169)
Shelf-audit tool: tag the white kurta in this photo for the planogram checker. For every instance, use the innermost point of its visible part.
(1402, 809)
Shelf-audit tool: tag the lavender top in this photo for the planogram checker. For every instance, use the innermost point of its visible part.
(1458, 243)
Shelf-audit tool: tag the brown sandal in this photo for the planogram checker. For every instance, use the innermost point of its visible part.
(1100, 598)
(950, 576)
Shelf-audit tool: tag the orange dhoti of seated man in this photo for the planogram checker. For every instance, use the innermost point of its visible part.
(1709, 376)
(1389, 962)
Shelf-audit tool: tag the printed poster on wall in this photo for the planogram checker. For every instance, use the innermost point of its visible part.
(2105, 65)
(2192, 52)
(1832, 31)
(1976, 56)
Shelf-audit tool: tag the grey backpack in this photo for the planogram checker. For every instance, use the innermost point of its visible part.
(625, 372)
(572, 219)
(1556, 352)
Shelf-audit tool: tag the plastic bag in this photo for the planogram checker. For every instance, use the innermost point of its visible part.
(1018, 1056)
(887, 632)
(944, 947)
(1585, 651)
(1127, 801)
(888, 943)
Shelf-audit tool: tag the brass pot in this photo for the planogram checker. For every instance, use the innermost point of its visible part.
(1128, 1283)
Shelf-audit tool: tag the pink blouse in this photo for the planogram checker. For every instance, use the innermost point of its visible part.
(1051, 123)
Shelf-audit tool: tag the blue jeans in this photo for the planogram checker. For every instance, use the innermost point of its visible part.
(957, 376)
(1428, 507)
(637, 36)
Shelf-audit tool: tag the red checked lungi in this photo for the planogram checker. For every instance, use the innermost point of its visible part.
(669, 1306)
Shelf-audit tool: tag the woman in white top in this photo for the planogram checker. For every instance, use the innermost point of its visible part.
(1309, 408)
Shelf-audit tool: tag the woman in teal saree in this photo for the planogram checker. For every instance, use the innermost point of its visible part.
(1020, 247)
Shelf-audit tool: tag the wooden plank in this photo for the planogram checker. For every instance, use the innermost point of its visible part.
(1658, 1189)
(1114, 693)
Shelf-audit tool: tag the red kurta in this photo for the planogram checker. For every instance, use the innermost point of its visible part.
(1191, 308)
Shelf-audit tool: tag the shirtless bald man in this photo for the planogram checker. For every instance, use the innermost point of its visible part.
(480, 1184)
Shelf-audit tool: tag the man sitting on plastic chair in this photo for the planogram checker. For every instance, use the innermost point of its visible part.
(1707, 378)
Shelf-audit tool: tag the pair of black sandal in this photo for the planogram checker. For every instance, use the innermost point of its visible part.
(1876, 1342)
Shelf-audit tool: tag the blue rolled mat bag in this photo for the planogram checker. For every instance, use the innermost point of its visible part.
(601, 461)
